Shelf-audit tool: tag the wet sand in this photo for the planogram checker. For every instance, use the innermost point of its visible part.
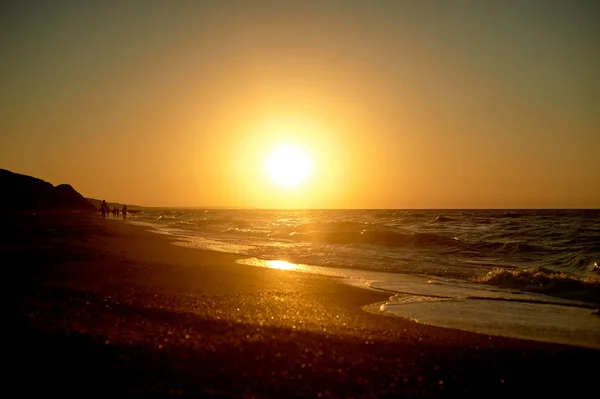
(101, 307)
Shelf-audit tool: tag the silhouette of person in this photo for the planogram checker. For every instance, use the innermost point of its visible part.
(124, 212)
(103, 209)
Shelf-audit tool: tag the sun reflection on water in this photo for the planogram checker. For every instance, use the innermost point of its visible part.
(271, 264)
(280, 264)
(297, 267)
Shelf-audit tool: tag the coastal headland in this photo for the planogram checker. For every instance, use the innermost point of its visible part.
(104, 307)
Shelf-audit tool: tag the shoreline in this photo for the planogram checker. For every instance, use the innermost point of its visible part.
(531, 316)
(120, 310)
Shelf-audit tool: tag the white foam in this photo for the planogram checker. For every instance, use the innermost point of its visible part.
(213, 245)
(187, 239)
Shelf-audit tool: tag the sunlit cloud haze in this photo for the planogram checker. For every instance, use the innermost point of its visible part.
(399, 104)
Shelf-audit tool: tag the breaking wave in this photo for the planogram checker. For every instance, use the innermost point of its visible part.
(545, 281)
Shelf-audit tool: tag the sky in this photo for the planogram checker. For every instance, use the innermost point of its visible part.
(399, 104)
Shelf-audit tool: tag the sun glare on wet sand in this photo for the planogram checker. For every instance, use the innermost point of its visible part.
(288, 166)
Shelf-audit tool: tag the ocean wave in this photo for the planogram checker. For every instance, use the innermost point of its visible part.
(240, 223)
(511, 247)
(341, 226)
(192, 225)
(506, 215)
(392, 213)
(545, 281)
(579, 262)
(245, 231)
(387, 238)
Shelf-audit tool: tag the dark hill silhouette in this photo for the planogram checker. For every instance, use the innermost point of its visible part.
(27, 192)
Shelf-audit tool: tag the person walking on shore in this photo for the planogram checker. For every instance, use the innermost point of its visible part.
(124, 212)
(103, 209)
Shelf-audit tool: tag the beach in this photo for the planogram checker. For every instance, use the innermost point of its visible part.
(104, 307)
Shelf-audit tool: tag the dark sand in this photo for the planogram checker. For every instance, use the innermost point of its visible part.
(102, 308)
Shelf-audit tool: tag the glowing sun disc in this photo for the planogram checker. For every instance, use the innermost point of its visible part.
(288, 166)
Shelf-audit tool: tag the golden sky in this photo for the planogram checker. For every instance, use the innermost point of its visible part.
(406, 104)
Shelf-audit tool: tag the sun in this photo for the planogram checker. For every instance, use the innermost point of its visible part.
(288, 166)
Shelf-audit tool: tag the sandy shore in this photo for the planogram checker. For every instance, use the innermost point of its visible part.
(101, 307)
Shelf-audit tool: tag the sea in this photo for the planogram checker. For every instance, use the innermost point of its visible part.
(530, 274)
